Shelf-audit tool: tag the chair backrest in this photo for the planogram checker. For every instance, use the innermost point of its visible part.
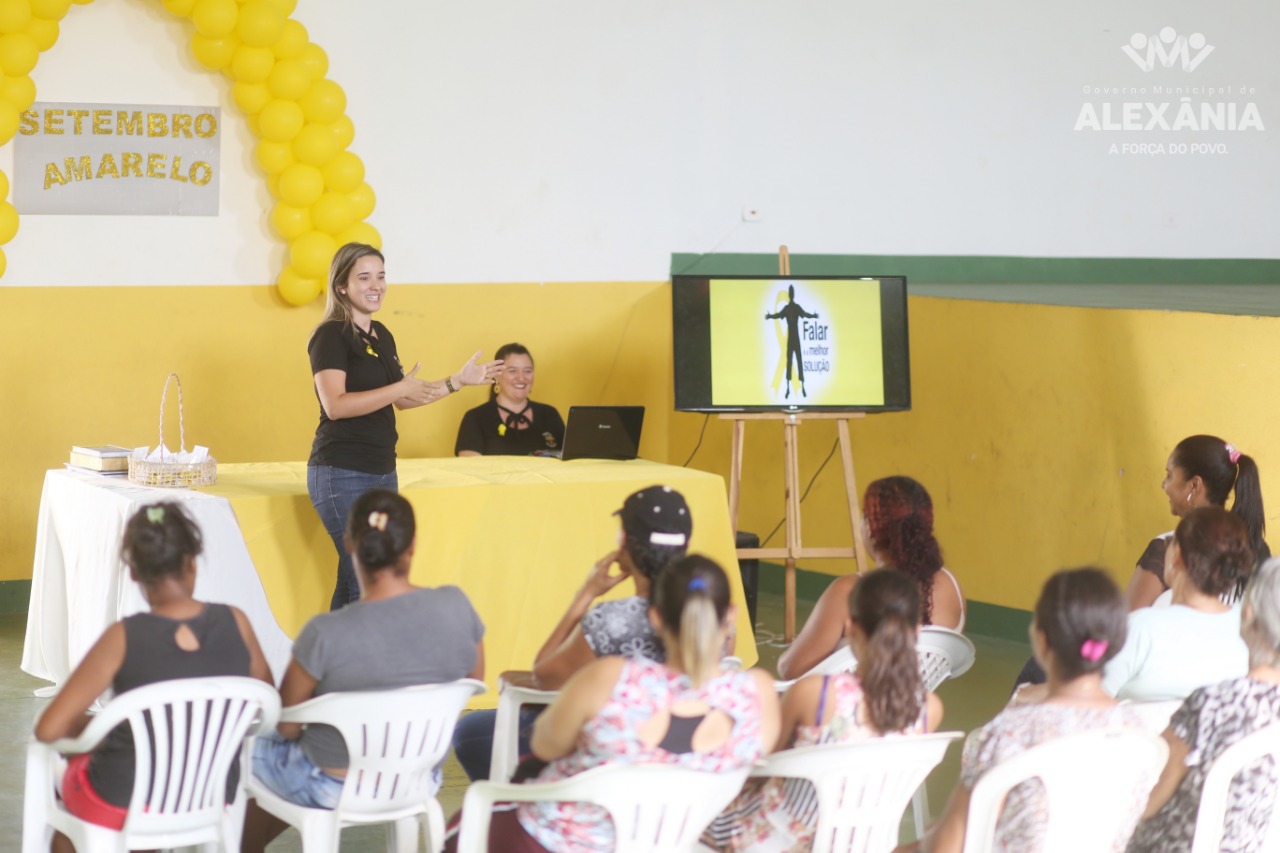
(394, 739)
(1217, 784)
(1155, 715)
(1090, 781)
(186, 734)
(944, 654)
(862, 788)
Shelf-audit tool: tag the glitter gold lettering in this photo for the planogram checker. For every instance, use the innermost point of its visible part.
(53, 122)
(108, 166)
(29, 123)
(53, 176)
(157, 124)
(102, 122)
(176, 172)
(128, 123)
(82, 170)
(131, 162)
(155, 165)
(206, 125)
(206, 171)
(79, 116)
(182, 124)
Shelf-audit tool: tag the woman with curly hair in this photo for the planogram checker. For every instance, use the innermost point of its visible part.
(897, 525)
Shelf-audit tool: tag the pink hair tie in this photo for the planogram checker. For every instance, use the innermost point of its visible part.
(1093, 650)
(1232, 453)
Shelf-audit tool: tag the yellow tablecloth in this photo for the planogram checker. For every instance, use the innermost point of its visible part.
(517, 534)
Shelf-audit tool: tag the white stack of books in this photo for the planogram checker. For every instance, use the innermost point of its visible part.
(106, 459)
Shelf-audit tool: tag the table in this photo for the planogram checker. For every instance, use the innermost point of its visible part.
(517, 534)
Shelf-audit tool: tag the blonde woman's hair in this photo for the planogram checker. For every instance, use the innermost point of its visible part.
(337, 306)
(691, 596)
(1261, 628)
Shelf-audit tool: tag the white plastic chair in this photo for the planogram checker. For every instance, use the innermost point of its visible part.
(841, 660)
(862, 788)
(1217, 783)
(1155, 715)
(944, 654)
(655, 807)
(1090, 780)
(395, 739)
(186, 734)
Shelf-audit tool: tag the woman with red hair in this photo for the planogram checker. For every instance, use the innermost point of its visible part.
(897, 527)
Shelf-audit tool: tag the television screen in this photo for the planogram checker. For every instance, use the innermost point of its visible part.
(769, 343)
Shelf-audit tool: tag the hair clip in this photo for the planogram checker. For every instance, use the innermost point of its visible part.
(1093, 650)
(378, 520)
(1232, 453)
(697, 583)
(155, 514)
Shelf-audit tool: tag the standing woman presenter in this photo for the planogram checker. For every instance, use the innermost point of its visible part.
(359, 379)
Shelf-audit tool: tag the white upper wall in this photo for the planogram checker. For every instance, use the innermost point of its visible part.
(578, 140)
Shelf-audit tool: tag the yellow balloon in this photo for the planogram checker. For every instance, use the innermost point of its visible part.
(43, 32)
(213, 53)
(296, 289)
(179, 8)
(316, 59)
(14, 15)
(315, 144)
(363, 200)
(250, 97)
(259, 23)
(18, 54)
(284, 7)
(345, 130)
(290, 222)
(275, 157)
(8, 121)
(273, 185)
(19, 91)
(4, 186)
(214, 18)
(361, 232)
(252, 64)
(344, 172)
(289, 79)
(280, 120)
(53, 10)
(4, 263)
(311, 253)
(333, 212)
(324, 102)
(293, 38)
(8, 222)
(301, 185)
(82, 2)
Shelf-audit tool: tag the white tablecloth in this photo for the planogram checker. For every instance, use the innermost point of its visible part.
(80, 585)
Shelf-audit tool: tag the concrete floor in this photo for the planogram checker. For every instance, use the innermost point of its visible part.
(970, 701)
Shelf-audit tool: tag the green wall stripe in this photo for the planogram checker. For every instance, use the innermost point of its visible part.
(15, 596)
(1226, 286)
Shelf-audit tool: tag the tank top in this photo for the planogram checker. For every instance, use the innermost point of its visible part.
(151, 654)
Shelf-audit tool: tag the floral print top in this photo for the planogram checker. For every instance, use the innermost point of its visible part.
(622, 628)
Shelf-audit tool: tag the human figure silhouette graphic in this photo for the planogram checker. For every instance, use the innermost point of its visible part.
(792, 312)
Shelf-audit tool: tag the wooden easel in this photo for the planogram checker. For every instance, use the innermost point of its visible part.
(791, 489)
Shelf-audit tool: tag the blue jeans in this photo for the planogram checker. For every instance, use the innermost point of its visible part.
(473, 739)
(285, 770)
(333, 491)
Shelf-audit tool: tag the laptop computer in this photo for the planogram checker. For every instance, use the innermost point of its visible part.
(602, 432)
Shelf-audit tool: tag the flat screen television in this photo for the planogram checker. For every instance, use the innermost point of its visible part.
(793, 344)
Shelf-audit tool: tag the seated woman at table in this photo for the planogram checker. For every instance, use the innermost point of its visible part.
(688, 712)
(1078, 625)
(1211, 720)
(897, 519)
(1196, 640)
(180, 637)
(510, 424)
(656, 525)
(396, 635)
(885, 695)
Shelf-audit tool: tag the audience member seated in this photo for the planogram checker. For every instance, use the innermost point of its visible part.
(633, 710)
(1202, 471)
(1196, 640)
(510, 424)
(396, 635)
(884, 696)
(179, 638)
(656, 525)
(1078, 625)
(1211, 720)
(897, 519)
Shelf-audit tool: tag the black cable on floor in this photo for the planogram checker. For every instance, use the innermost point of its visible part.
(706, 420)
(812, 480)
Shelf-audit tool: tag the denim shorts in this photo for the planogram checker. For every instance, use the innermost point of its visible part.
(284, 769)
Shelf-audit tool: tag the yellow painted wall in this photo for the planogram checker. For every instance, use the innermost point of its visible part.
(1041, 431)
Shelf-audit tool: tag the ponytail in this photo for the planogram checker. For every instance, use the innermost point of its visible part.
(380, 528)
(886, 606)
(1248, 502)
(691, 597)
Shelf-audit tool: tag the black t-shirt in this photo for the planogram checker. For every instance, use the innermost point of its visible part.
(366, 443)
(484, 431)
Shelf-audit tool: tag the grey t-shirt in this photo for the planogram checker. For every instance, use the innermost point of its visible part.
(427, 636)
(622, 628)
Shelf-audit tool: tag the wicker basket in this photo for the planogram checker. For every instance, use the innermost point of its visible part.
(173, 475)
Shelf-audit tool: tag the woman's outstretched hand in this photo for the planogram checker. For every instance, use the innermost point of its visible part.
(417, 390)
(476, 372)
